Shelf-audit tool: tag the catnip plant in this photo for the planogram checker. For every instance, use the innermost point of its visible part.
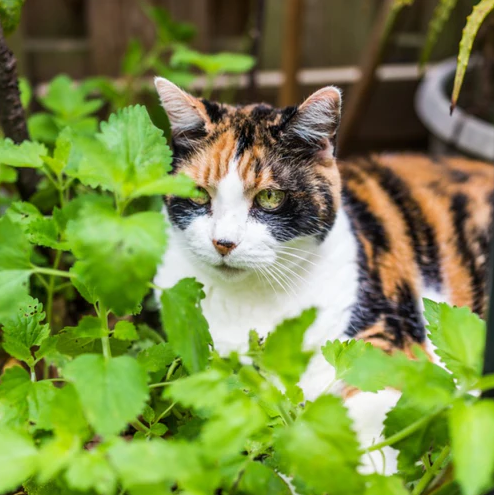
(105, 405)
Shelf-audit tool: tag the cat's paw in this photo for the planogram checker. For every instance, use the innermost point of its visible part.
(368, 411)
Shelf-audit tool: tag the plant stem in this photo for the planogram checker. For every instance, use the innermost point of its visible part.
(51, 271)
(139, 426)
(430, 473)
(51, 290)
(406, 432)
(165, 412)
(172, 369)
(33, 373)
(161, 384)
(155, 287)
(284, 414)
(105, 341)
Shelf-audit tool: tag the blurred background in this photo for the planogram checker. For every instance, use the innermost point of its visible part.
(285, 49)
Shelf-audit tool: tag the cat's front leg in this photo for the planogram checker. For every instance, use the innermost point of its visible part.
(368, 411)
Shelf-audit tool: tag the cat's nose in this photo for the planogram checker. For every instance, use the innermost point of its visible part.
(223, 246)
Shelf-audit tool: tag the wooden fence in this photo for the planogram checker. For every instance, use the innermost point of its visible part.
(89, 37)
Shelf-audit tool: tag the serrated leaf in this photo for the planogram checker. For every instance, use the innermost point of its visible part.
(459, 336)
(178, 185)
(258, 478)
(41, 394)
(430, 438)
(15, 266)
(376, 484)
(283, 353)
(125, 330)
(14, 390)
(185, 325)
(91, 470)
(321, 448)
(117, 256)
(440, 17)
(39, 229)
(26, 154)
(128, 154)
(472, 437)
(24, 329)
(8, 175)
(112, 392)
(474, 21)
(342, 355)
(18, 457)
(157, 357)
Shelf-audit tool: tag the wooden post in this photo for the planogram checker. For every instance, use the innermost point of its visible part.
(256, 36)
(291, 51)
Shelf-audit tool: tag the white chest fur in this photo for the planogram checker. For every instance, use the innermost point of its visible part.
(328, 280)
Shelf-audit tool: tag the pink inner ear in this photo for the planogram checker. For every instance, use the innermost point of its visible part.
(328, 152)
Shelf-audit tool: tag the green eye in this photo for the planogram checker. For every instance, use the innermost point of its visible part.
(202, 197)
(270, 199)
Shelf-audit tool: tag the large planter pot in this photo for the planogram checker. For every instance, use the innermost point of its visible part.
(461, 130)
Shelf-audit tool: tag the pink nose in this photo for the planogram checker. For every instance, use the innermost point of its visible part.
(223, 246)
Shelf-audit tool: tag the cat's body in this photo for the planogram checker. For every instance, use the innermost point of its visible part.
(361, 241)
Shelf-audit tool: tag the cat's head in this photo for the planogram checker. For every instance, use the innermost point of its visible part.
(267, 177)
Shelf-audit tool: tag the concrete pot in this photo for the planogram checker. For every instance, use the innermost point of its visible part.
(465, 132)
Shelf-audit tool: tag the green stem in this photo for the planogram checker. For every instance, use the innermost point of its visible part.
(172, 369)
(155, 287)
(406, 432)
(51, 271)
(140, 426)
(430, 473)
(284, 414)
(33, 373)
(51, 290)
(105, 341)
(208, 87)
(165, 412)
(161, 384)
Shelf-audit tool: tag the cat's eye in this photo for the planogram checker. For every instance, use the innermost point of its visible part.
(202, 197)
(270, 199)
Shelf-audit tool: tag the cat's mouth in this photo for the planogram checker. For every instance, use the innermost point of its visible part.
(229, 270)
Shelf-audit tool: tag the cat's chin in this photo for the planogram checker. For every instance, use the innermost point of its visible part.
(230, 273)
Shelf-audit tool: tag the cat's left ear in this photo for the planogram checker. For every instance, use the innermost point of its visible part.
(317, 119)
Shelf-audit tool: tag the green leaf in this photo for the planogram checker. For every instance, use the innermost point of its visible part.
(14, 390)
(41, 394)
(10, 14)
(67, 100)
(472, 436)
(8, 175)
(374, 370)
(440, 17)
(133, 58)
(474, 21)
(342, 355)
(40, 230)
(24, 330)
(203, 391)
(26, 91)
(117, 256)
(128, 154)
(213, 64)
(377, 484)
(430, 438)
(178, 185)
(157, 357)
(321, 448)
(112, 392)
(18, 457)
(459, 336)
(283, 353)
(168, 29)
(125, 330)
(26, 154)
(185, 325)
(258, 478)
(91, 470)
(43, 127)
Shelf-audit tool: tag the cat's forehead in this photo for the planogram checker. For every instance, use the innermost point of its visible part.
(240, 137)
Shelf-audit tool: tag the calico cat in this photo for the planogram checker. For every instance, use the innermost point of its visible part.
(280, 226)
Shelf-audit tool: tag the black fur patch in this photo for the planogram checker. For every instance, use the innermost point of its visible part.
(214, 110)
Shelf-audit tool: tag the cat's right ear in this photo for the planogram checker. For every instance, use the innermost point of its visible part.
(187, 115)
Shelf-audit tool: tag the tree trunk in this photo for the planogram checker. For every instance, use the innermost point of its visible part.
(12, 116)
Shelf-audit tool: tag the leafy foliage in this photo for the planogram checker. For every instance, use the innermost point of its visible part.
(103, 404)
